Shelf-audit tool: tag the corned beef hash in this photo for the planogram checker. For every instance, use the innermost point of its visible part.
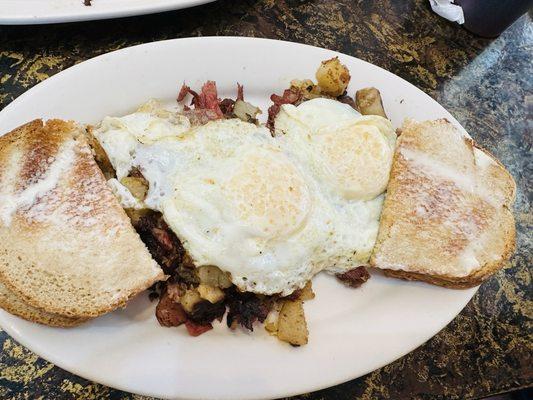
(242, 215)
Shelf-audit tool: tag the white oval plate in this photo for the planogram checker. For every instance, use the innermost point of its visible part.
(27, 12)
(352, 331)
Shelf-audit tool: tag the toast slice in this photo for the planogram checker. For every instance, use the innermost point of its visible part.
(10, 302)
(446, 218)
(66, 245)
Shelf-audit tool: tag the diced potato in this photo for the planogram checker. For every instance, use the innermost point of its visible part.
(136, 185)
(246, 111)
(307, 87)
(333, 77)
(307, 292)
(189, 299)
(271, 321)
(213, 276)
(210, 293)
(368, 102)
(292, 327)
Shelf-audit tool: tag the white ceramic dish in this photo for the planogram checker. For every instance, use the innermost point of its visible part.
(352, 331)
(28, 12)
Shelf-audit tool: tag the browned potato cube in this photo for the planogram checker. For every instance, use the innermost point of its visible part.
(307, 87)
(333, 77)
(210, 293)
(368, 102)
(213, 276)
(307, 292)
(136, 185)
(189, 300)
(271, 322)
(292, 327)
(246, 111)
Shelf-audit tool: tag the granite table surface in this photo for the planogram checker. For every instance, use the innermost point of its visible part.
(485, 83)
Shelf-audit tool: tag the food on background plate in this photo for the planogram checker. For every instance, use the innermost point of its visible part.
(67, 248)
(446, 218)
(240, 216)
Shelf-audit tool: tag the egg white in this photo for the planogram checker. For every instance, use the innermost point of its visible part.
(349, 157)
(271, 211)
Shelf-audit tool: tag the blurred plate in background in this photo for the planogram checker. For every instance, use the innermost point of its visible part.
(27, 12)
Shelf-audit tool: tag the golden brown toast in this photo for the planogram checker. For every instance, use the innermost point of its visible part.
(66, 245)
(10, 302)
(446, 219)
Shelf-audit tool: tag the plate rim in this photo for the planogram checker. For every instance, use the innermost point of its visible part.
(20, 338)
(13, 333)
(94, 59)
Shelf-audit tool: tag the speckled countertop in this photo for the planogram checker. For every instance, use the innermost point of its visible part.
(486, 84)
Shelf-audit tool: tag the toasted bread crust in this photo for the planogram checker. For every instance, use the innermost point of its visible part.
(489, 223)
(14, 305)
(474, 279)
(66, 245)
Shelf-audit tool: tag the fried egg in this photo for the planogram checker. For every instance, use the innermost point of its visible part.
(270, 211)
(349, 157)
(349, 153)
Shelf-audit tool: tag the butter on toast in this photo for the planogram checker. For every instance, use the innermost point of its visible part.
(446, 218)
(66, 245)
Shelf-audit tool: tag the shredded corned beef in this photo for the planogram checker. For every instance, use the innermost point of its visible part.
(200, 116)
(290, 96)
(207, 99)
(205, 312)
(164, 238)
(184, 91)
(240, 92)
(164, 246)
(207, 105)
(354, 277)
(245, 308)
(195, 329)
(227, 106)
(170, 313)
